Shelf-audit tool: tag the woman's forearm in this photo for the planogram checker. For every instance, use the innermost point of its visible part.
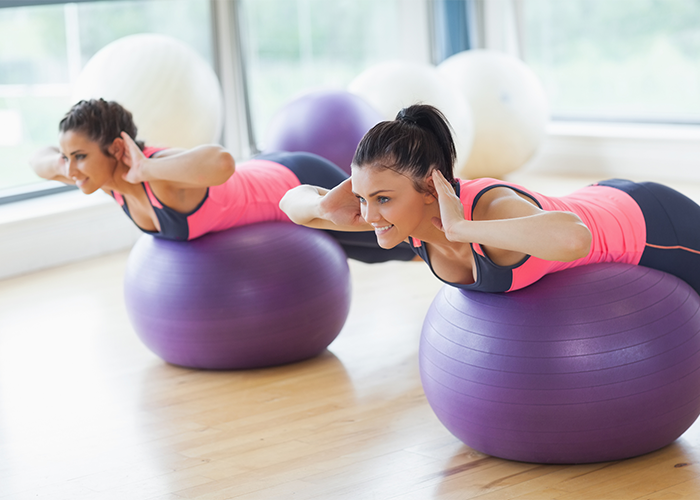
(48, 164)
(558, 236)
(313, 206)
(201, 166)
(302, 205)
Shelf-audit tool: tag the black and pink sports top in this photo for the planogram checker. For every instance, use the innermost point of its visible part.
(250, 195)
(615, 220)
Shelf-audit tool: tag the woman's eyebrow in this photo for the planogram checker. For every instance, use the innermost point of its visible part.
(376, 192)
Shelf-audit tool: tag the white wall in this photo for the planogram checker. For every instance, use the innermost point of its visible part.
(58, 229)
(637, 152)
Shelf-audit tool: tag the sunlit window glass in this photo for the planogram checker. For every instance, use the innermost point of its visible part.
(628, 60)
(43, 49)
(293, 46)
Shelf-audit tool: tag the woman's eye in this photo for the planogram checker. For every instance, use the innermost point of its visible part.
(362, 200)
(79, 157)
(382, 199)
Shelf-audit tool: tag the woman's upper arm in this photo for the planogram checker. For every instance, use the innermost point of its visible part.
(164, 153)
(550, 235)
(202, 166)
(504, 203)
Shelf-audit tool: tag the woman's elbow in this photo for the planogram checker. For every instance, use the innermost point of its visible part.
(578, 242)
(299, 204)
(226, 166)
(287, 205)
(284, 203)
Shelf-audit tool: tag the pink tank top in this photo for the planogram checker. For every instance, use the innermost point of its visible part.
(615, 220)
(252, 194)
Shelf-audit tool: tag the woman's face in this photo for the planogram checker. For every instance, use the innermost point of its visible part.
(390, 202)
(86, 164)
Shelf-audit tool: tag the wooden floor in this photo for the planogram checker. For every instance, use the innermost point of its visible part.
(87, 412)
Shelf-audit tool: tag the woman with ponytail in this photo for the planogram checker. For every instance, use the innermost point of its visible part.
(183, 194)
(491, 235)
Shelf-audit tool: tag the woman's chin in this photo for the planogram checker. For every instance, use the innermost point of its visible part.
(387, 244)
(87, 188)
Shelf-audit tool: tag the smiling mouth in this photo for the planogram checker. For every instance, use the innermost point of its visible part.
(382, 229)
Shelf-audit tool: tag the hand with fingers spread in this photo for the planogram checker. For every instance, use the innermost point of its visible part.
(134, 158)
(451, 208)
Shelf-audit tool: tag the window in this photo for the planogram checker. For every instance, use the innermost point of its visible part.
(292, 46)
(623, 60)
(44, 47)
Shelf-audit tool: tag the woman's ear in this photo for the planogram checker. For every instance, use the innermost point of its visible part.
(430, 193)
(117, 148)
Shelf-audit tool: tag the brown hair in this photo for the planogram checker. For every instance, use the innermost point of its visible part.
(101, 121)
(418, 141)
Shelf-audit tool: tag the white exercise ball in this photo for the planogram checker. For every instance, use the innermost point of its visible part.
(172, 92)
(509, 108)
(394, 85)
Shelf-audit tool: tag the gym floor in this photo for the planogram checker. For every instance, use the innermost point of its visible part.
(87, 412)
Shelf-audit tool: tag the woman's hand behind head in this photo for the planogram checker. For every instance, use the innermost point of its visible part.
(451, 208)
(341, 206)
(132, 156)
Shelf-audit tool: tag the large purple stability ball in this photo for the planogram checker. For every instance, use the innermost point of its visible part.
(590, 364)
(249, 297)
(329, 123)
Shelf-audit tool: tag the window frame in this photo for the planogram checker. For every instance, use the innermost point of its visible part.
(48, 188)
(34, 3)
(31, 191)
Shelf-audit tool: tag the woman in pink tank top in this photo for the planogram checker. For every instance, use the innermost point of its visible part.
(491, 235)
(97, 152)
(183, 194)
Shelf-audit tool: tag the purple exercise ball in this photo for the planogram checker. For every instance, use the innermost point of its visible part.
(329, 123)
(248, 297)
(590, 364)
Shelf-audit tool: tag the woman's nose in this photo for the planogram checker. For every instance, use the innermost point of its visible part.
(71, 168)
(369, 213)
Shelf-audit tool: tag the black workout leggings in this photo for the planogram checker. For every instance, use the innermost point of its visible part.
(317, 171)
(673, 229)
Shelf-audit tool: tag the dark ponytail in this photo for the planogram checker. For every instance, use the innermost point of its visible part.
(101, 121)
(418, 141)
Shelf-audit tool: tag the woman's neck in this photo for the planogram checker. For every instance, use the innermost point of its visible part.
(429, 233)
(117, 182)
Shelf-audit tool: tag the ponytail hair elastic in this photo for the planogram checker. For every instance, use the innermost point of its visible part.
(403, 117)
